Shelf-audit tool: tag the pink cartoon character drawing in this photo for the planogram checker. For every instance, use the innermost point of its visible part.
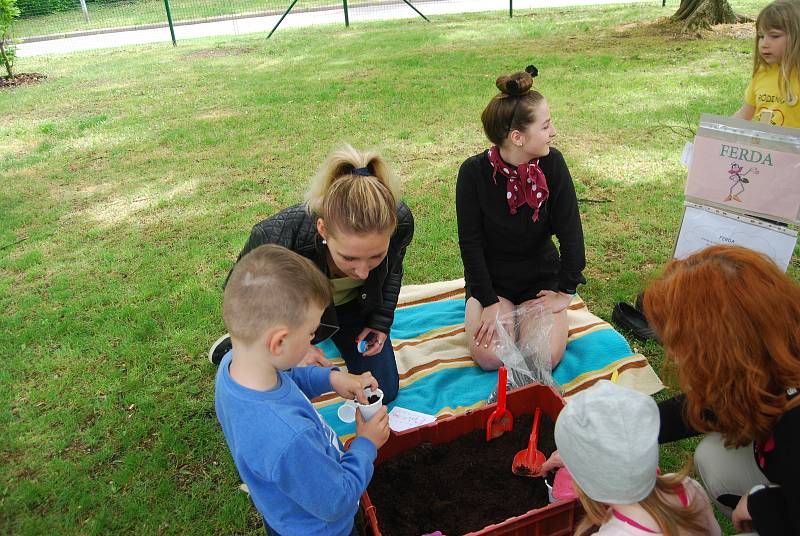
(739, 179)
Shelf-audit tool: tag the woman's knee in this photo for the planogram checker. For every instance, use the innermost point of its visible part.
(557, 354)
(726, 473)
(388, 380)
(706, 454)
(558, 338)
(384, 368)
(485, 358)
(706, 462)
(390, 390)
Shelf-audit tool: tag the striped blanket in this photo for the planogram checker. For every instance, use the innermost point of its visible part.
(438, 376)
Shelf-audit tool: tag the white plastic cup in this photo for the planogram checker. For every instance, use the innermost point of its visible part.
(347, 411)
(550, 497)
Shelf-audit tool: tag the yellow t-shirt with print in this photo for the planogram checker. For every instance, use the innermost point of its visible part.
(764, 93)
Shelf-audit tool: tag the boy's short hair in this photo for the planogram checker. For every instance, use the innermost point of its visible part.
(271, 285)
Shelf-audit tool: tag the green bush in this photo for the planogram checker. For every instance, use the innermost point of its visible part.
(8, 12)
(31, 8)
(35, 8)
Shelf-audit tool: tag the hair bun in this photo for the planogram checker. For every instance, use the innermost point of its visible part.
(516, 84)
(532, 70)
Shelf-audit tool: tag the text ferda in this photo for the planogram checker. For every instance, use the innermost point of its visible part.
(748, 155)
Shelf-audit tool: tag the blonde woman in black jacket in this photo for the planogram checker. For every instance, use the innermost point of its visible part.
(353, 226)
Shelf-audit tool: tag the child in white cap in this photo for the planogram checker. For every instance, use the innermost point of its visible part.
(607, 437)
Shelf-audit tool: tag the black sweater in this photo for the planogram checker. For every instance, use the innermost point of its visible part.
(489, 234)
(295, 229)
(772, 509)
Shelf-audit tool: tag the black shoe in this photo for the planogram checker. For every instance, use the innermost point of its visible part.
(639, 303)
(218, 350)
(633, 320)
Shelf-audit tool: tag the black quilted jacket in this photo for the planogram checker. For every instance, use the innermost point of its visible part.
(295, 229)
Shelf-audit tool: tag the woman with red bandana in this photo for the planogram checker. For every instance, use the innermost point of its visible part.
(510, 201)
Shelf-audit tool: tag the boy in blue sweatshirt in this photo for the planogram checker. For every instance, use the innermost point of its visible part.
(300, 477)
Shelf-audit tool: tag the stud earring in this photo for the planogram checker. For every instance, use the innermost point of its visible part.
(324, 241)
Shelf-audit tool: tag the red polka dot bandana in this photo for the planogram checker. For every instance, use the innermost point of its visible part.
(525, 184)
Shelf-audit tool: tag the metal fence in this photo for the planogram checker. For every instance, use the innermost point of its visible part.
(56, 18)
(47, 19)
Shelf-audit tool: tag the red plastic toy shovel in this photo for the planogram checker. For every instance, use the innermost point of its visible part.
(501, 420)
(529, 462)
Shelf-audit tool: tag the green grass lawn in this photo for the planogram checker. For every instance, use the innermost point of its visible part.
(130, 179)
(138, 12)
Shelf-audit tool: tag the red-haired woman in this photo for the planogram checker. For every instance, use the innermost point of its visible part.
(729, 320)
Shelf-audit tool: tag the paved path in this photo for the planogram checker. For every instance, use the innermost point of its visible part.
(265, 23)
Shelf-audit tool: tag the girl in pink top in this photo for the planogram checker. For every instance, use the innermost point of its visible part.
(607, 436)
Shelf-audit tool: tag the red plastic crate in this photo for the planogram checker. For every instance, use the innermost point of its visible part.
(556, 519)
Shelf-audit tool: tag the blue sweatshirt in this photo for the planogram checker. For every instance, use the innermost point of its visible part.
(300, 478)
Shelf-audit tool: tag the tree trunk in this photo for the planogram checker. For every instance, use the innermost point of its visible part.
(705, 13)
(5, 58)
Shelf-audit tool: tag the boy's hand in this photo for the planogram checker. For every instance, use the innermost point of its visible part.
(376, 429)
(316, 357)
(350, 386)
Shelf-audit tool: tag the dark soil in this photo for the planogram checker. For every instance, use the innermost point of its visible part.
(21, 79)
(461, 486)
(372, 399)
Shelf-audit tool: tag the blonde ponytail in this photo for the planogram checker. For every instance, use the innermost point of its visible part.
(354, 192)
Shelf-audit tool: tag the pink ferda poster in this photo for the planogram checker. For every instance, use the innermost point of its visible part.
(746, 167)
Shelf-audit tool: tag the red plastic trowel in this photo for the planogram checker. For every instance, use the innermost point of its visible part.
(501, 420)
(529, 462)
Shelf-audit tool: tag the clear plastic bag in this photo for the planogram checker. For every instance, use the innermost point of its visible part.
(522, 343)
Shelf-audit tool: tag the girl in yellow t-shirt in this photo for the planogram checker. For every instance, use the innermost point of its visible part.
(772, 95)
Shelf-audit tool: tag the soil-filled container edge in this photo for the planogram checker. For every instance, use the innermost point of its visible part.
(555, 519)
